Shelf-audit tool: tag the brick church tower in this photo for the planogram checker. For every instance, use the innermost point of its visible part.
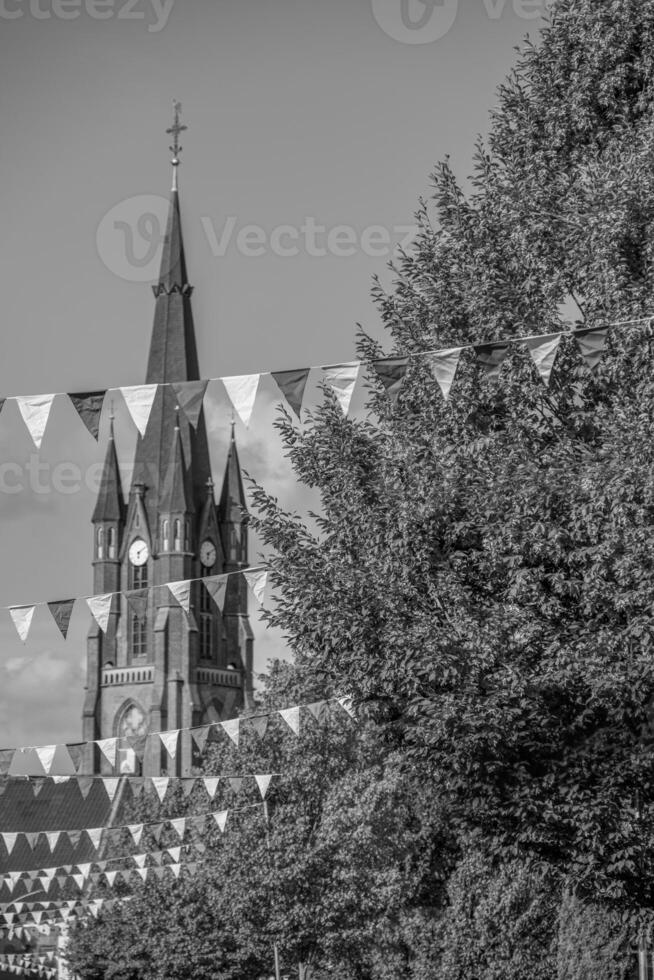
(155, 668)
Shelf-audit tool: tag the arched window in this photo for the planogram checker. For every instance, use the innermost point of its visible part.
(111, 542)
(138, 636)
(165, 535)
(100, 543)
(178, 535)
(138, 576)
(137, 519)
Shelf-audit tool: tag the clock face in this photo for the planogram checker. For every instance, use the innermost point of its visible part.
(208, 554)
(133, 723)
(138, 552)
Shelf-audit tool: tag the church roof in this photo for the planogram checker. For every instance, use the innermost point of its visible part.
(110, 505)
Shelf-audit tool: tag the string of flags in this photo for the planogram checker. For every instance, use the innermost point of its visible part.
(27, 965)
(104, 836)
(69, 757)
(341, 378)
(101, 606)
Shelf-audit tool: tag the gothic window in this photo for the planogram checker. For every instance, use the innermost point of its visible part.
(138, 636)
(100, 542)
(111, 542)
(187, 535)
(234, 544)
(138, 576)
(137, 519)
(206, 635)
(178, 535)
(165, 535)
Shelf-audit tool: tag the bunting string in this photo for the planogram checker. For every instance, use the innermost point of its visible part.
(242, 390)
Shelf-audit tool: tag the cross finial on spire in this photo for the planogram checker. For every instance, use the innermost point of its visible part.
(176, 147)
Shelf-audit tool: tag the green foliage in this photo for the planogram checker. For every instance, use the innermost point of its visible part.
(482, 570)
(592, 942)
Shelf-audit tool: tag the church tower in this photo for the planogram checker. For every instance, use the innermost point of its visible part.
(155, 668)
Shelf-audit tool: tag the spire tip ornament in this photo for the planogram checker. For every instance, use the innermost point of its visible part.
(176, 148)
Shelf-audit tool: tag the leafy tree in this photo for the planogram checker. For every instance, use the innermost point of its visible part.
(481, 570)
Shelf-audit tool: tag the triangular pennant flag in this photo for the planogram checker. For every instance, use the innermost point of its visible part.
(200, 736)
(190, 395)
(46, 755)
(9, 840)
(31, 839)
(84, 869)
(160, 784)
(74, 836)
(256, 580)
(491, 356)
(100, 608)
(211, 785)
(175, 868)
(143, 872)
(61, 613)
(235, 783)
(88, 405)
(346, 704)
(543, 352)
(137, 602)
(231, 728)
(443, 365)
(108, 747)
(35, 410)
(139, 399)
(169, 741)
(391, 371)
(139, 860)
(137, 744)
(591, 342)
(292, 718)
(179, 826)
(84, 784)
(175, 853)
(292, 385)
(111, 877)
(6, 757)
(95, 836)
(342, 379)
(242, 391)
(181, 591)
(22, 617)
(136, 830)
(216, 586)
(37, 785)
(221, 819)
(76, 751)
(319, 710)
(263, 782)
(259, 724)
(188, 785)
(110, 784)
(155, 830)
(53, 839)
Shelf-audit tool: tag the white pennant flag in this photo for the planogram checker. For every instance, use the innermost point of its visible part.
(139, 860)
(342, 379)
(346, 705)
(221, 819)
(263, 782)
(46, 755)
(35, 410)
(211, 785)
(136, 830)
(53, 839)
(443, 365)
(292, 718)
(181, 591)
(543, 353)
(139, 399)
(179, 826)
(95, 835)
(242, 391)
(100, 607)
(9, 841)
(175, 853)
(110, 784)
(257, 583)
(175, 868)
(84, 870)
(169, 741)
(108, 747)
(143, 872)
(111, 877)
(160, 784)
(22, 617)
(216, 586)
(232, 728)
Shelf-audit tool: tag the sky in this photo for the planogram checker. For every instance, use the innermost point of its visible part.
(313, 128)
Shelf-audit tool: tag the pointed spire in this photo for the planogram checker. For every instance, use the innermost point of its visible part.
(110, 505)
(176, 495)
(232, 499)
